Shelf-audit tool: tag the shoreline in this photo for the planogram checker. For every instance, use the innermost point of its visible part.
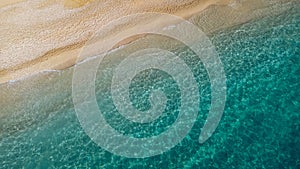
(28, 100)
(58, 53)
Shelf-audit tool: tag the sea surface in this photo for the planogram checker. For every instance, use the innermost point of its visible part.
(260, 127)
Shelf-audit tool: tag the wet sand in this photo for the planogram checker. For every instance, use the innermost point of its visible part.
(48, 35)
(33, 47)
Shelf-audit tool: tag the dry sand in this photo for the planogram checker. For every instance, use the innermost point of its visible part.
(39, 35)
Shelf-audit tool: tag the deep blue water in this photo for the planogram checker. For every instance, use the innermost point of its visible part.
(260, 127)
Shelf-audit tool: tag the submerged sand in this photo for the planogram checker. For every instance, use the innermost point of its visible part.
(39, 35)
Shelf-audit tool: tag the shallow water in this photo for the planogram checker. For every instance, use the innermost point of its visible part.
(259, 127)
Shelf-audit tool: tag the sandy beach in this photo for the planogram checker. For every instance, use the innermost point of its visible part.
(48, 35)
(84, 86)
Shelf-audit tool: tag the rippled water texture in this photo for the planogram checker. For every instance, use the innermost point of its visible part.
(259, 129)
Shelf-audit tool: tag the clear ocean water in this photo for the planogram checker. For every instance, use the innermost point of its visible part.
(260, 127)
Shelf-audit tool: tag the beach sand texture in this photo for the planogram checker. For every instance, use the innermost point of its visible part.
(39, 35)
(41, 40)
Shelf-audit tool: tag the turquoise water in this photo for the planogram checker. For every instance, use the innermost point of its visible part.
(260, 127)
